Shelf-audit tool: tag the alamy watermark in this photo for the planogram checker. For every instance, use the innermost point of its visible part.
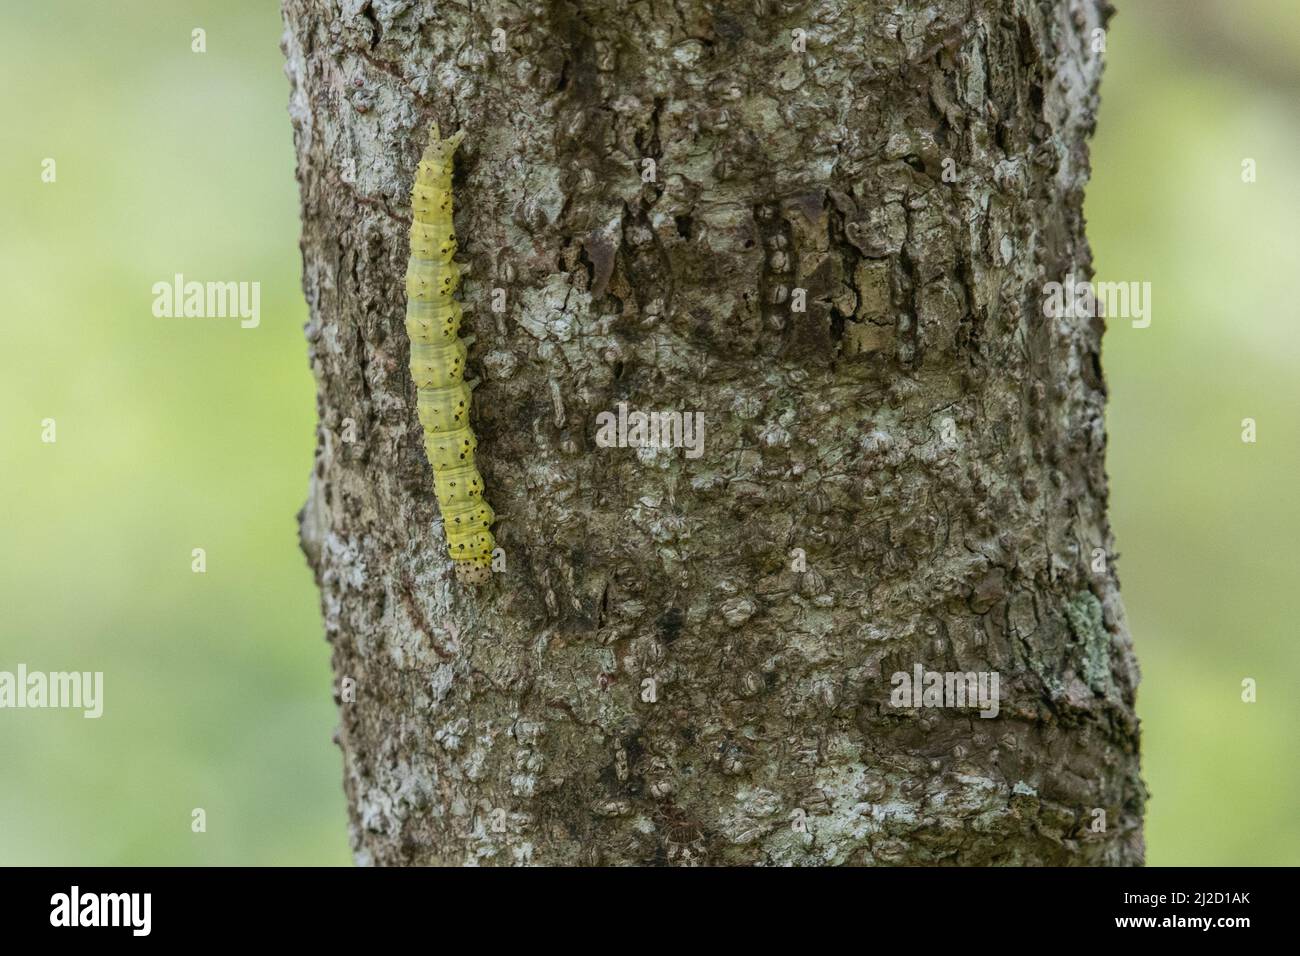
(208, 300)
(76, 908)
(963, 689)
(624, 429)
(75, 690)
(1114, 300)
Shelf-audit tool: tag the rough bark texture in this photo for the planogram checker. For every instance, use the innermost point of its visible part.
(929, 439)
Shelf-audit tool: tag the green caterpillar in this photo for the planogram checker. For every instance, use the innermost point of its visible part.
(433, 318)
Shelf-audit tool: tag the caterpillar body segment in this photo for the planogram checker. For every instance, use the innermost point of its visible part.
(430, 241)
(474, 549)
(458, 486)
(438, 356)
(430, 280)
(433, 321)
(475, 516)
(439, 364)
(443, 409)
(450, 449)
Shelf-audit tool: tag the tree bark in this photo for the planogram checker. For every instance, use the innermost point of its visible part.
(654, 677)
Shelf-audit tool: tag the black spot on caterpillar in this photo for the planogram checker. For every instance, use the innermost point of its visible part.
(433, 318)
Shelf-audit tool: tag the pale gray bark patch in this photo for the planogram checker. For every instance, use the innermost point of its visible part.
(931, 441)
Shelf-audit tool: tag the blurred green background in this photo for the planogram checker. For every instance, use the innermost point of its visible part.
(1207, 525)
(173, 434)
(176, 434)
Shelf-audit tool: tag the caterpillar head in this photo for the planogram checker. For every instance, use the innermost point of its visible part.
(439, 151)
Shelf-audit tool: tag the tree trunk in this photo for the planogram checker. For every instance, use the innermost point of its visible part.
(838, 257)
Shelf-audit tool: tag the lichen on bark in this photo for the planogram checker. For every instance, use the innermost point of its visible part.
(689, 660)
